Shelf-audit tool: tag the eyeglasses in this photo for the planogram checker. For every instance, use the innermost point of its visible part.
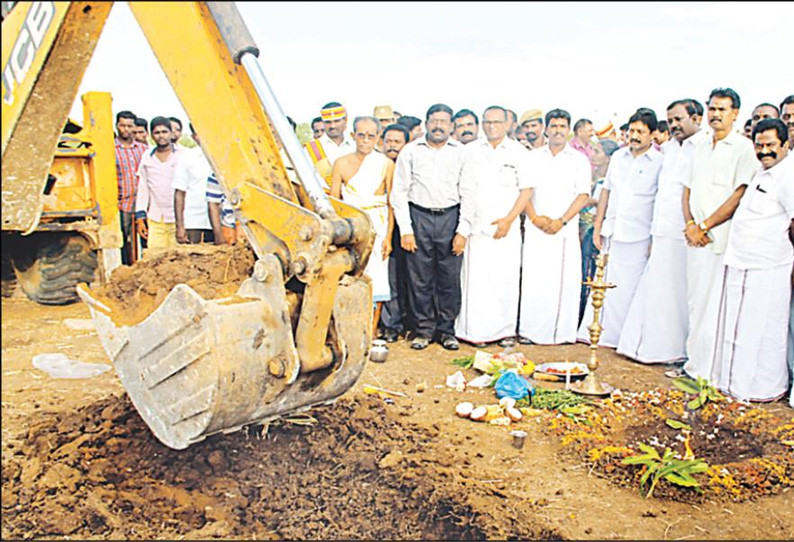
(493, 122)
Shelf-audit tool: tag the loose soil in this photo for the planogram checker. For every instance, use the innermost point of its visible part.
(78, 461)
(133, 292)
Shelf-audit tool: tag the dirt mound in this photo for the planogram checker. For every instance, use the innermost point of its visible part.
(133, 292)
(356, 473)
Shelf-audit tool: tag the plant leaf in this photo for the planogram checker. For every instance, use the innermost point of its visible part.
(675, 424)
(695, 404)
(686, 385)
(650, 450)
(682, 480)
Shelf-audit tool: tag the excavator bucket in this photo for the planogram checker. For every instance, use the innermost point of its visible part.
(196, 367)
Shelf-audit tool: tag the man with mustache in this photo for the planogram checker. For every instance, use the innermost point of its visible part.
(552, 256)
(750, 355)
(722, 167)
(326, 149)
(622, 226)
(657, 321)
(787, 114)
(435, 210)
(394, 317)
(532, 122)
(467, 126)
(761, 112)
(499, 168)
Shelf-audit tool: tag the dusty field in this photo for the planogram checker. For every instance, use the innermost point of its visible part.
(78, 462)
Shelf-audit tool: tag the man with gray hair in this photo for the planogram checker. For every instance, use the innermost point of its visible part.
(364, 179)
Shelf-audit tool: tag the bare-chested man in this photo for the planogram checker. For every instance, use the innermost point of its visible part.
(364, 179)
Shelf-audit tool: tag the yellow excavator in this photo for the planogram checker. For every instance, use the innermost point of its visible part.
(298, 331)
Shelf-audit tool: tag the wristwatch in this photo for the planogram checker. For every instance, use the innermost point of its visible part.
(564, 222)
(703, 227)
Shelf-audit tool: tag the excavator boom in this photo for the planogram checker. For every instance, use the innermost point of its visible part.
(298, 331)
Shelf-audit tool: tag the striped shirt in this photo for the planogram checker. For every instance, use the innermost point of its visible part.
(215, 195)
(127, 161)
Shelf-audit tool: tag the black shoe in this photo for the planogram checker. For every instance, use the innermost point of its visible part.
(420, 343)
(390, 335)
(524, 340)
(507, 342)
(449, 342)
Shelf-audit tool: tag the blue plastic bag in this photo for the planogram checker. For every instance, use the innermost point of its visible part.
(512, 385)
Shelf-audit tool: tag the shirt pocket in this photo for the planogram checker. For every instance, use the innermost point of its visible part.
(508, 176)
(645, 182)
(762, 204)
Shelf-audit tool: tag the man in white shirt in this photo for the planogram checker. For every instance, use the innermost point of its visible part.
(552, 257)
(622, 227)
(754, 302)
(498, 167)
(466, 126)
(435, 211)
(722, 166)
(334, 143)
(657, 321)
(190, 195)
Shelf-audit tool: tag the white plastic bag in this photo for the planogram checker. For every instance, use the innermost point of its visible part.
(60, 366)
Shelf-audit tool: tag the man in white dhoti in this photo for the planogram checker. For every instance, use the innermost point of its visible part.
(363, 179)
(721, 169)
(498, 166)
(552, 258)
(752, 328)
(622, 227)
(657, 322)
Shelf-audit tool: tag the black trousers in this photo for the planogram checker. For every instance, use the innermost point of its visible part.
(434, 272)
(395, 313)
(126, 233)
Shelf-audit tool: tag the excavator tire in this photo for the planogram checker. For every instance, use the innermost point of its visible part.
(49, 266)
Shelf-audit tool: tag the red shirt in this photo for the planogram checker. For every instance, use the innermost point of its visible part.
(127, 161)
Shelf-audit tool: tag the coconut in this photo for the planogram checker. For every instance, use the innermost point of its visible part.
(479, 413)
(507, 402)
(514, 414)
(464, 410)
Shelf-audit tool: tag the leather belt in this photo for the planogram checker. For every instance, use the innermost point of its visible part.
(433, 210)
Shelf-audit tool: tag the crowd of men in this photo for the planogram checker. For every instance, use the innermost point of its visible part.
(486, 226)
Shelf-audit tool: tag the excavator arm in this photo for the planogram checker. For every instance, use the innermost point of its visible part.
(195, 367)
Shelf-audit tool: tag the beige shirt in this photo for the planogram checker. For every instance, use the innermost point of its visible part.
(716, 172)
(431, 178)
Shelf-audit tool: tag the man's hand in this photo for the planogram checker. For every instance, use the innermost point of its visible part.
(408, 242)
(554, 226)
(140, 225)
(598, 241)
(386, 248)
(541, 222)
(458, 244)
(181, 235)
(502, 227)
(696, 237)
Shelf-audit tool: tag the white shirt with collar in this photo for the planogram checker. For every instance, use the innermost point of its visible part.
(431, 177)
(190, 176)
(334, 151)
(668, 212)
(632, 184)
(499, 173)
(557, 181)
(759, 232)
(716, 172)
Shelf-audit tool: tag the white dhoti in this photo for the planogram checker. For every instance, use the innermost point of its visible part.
(360, 192)
(624, 269)
(656, 324)
(489, 280)
(705, 278)
(752, 333)
(551, 286)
